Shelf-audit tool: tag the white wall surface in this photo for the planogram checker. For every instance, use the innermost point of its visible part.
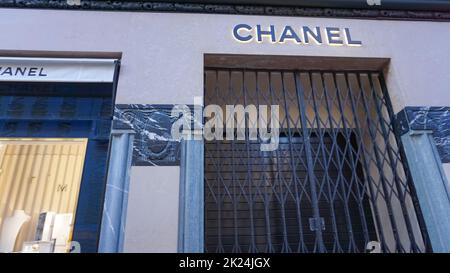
(152, 217)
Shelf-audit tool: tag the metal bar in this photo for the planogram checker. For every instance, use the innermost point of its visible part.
(285, 245)
(354, 165)
(291, 153)
(343, 182)
(393, 165)
(322, 148)
(413, 194)
(253, 247)
(236, 247)
(269, 248)
(398, 245)
(349, 150)
(334, 136)
(366, 167)
(309, 159)
(220, 248)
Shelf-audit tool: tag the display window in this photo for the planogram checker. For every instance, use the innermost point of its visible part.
(55, 128)
(39, 186)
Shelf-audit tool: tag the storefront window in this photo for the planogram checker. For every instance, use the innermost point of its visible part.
(39, 185)
(54, 139)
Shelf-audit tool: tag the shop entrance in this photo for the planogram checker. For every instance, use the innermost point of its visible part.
(336, 183)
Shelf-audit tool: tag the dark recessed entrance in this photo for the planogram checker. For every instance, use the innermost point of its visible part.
(336, 182)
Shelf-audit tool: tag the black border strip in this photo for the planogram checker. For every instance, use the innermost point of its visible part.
(151, 6)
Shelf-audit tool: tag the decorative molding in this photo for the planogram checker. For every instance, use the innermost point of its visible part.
(434, 119)
(153, 145)
(228, 9)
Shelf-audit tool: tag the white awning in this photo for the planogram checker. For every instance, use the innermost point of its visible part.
(56, 69)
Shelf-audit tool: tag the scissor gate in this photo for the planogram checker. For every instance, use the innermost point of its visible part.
(336, 183)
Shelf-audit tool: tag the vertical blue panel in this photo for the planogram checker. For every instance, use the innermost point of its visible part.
(90, 201)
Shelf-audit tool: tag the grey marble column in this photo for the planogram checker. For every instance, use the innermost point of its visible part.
(191, 209)
(430, 182)
(116, 194)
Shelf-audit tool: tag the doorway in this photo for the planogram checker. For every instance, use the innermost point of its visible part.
(336, 183)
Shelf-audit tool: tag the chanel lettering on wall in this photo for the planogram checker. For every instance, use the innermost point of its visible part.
(301, 35)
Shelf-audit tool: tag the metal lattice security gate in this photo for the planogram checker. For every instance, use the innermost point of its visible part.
(336, 181)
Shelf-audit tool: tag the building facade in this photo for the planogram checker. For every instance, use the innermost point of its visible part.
(91, 91)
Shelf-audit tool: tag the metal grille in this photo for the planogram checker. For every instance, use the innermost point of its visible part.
(336, 181)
